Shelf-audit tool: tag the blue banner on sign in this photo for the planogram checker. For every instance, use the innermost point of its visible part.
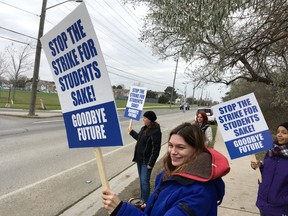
(94, 126)
(132, 113)
(248, 145)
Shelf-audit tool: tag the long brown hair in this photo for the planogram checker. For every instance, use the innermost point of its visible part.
(193, 135)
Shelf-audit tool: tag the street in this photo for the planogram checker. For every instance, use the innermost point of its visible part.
(40, 175)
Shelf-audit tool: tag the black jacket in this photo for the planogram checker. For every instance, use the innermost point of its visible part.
(148, 144)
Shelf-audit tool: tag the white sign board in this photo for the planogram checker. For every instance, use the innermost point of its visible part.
(243, 126)
(82, 82)
(135, 102)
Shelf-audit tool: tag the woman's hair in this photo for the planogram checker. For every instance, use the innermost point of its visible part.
(193, 135)
(151, 127)
(204, 116)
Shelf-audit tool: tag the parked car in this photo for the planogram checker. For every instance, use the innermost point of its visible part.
(209, 113)
(185, 106)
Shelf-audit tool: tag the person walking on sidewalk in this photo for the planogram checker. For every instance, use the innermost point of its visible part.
(147, 150)
(272, 197)
(189, 184)
(202, 121)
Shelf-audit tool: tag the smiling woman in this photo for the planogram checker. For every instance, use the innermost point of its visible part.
(189, 184)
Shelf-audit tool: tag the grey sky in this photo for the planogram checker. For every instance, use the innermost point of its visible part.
(117, 26)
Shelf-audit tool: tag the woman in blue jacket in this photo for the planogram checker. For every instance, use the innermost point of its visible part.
(272, 197)
(190, 183)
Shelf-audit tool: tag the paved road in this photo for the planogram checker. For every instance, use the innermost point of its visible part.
(41, 176)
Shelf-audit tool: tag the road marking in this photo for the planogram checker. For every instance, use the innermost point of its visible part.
(59, 174)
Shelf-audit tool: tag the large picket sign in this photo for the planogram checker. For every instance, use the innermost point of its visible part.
(243, 126)
(82, 82)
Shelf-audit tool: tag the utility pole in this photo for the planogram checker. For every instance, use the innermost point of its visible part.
(35, 78)
(174, 81)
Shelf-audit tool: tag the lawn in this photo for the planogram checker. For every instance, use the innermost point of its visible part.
(22, 101)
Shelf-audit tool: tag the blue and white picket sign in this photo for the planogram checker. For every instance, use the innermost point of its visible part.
(135, 102)
(82, 82)
(243, 126)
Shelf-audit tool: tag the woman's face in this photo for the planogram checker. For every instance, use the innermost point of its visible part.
(282, 135)
(146, 121)
(180, 151)
(199, 118)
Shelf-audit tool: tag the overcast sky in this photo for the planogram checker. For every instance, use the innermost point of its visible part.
(129, 62)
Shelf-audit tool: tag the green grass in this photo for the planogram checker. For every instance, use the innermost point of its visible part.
(22, 101)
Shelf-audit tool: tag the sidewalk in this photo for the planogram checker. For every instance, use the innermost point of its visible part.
(241, 185)
(24, 113)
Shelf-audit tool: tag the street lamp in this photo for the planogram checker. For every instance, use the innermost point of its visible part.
(35, 78)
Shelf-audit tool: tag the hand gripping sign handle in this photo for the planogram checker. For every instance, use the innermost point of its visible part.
(130, 124)
(101, 169)
(257, 169)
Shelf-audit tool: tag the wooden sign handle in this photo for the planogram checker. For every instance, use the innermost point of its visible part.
(253, 156)
(101, 168)
(130, 124)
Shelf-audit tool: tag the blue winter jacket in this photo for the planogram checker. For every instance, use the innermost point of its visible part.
(272, 197)
(195, 192)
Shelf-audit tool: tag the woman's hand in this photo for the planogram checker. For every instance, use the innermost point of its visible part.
(255, 164)
(110, 200)
(129, 129)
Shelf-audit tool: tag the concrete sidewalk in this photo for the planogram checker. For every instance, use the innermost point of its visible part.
(24, 113)
(241, 185)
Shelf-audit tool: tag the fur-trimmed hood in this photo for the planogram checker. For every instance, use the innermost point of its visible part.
(208, 165)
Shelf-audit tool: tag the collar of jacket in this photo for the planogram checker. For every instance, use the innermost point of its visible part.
(209, 165)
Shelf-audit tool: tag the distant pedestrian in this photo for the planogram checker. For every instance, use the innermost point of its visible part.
(272, 197)
(189, 184)
(147, 150)
(202, 121)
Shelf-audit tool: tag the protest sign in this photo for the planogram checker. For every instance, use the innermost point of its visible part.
(135, 102)
(82, 82)
(243, 126)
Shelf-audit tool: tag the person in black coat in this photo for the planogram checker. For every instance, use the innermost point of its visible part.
(147, 150)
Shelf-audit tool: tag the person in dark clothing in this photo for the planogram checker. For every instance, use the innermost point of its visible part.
(189, 184)
(272, 197)
(147, 150)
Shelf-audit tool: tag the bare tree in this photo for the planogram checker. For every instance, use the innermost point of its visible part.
(265, 94)
(19, 63)
(3, 67)
(227, 40)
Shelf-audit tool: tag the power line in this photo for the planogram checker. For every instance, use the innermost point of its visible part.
(145, 78)
(127, 9)
(14, 40)
(18, 33)
(126, 37)
(19, 8)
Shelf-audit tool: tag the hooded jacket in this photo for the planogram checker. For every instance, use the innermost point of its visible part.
(273, 191)
(196, 191)
(148, 144)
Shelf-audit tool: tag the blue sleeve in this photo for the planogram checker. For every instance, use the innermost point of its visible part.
(202, 201)
(199, 203)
